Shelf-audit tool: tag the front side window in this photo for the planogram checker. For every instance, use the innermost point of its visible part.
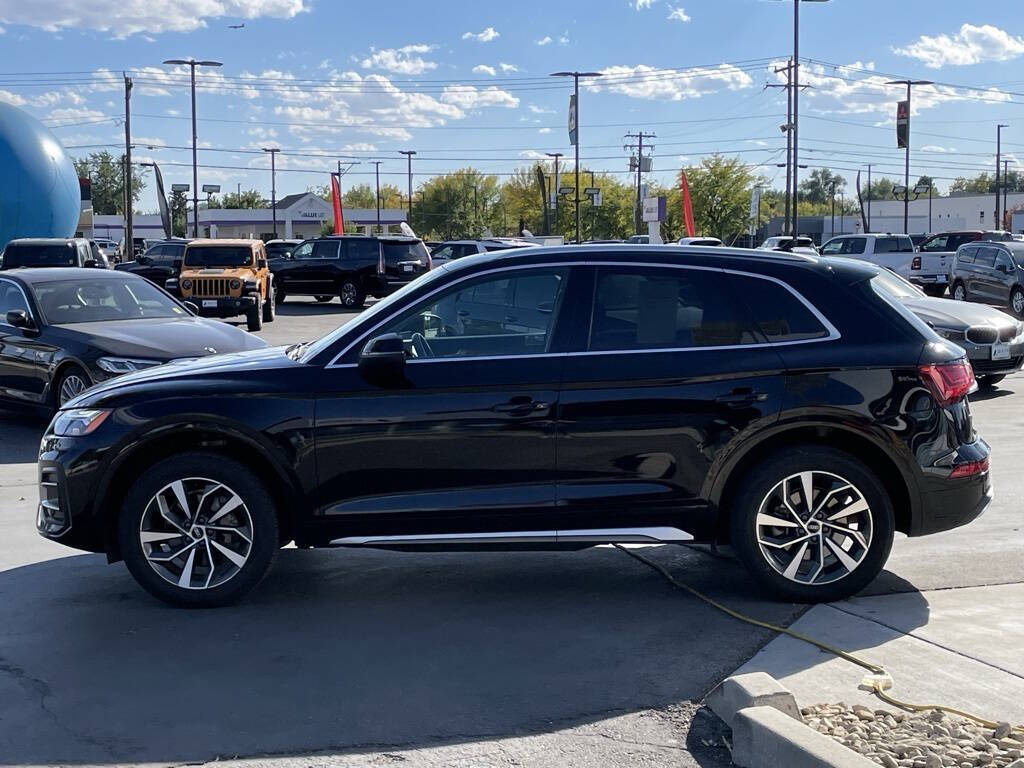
(855, 245)
(938, 243)
(11, 299)
(833, 247)
(1003, 260)
(66, 302)
(986, 257)
(510, 315)
(304, 251)
(651, 308)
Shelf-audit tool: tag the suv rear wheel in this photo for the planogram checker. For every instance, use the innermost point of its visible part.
(813, 524)
(352, 294)
(198, 530)
(959, 291)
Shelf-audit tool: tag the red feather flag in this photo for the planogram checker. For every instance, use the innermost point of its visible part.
(339, 216)
(687, 205)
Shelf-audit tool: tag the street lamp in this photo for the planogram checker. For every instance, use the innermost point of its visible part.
(999, 151)
(574, 133)
(557, 156)
(919, 190)
(906, 168)
(273, 183)
(192, 64)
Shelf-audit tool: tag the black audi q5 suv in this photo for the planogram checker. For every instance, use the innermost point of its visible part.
(545, 397)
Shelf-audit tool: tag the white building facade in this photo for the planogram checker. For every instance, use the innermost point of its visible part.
(947, 213)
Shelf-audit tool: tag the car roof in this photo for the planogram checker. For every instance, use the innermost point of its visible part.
(46, 240)
(33, 275)
(211, 241)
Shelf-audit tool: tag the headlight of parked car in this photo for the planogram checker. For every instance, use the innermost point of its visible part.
(950, 333)
(186, 284)
(118, 365)
(235, 285)
(78, 422)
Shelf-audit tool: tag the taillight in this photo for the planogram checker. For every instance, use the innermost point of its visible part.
(948, 382)
(970, 468)
(915, 263)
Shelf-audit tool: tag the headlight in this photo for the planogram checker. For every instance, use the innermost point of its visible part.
(235, 285)
(186, 284)
(78, 422)
(119, 365)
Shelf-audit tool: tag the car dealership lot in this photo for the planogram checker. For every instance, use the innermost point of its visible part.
(556, 653)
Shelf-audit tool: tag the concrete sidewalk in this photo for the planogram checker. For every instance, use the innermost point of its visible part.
(961, 648)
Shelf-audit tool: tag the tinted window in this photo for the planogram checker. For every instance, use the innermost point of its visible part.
(938, 243)
(855, 245)
(444, 252)
(11, 298)
(363, 251)
(986, 257)
(89, 301)
(219, 256)
(648, 308)
(27, 255)
(478, 318)
(304, 251)
(894, 245)
(1003, 259)
(833, 247)
(966, 255)
(325, 249)
(955, 241)
(779, 314)
(398, 252)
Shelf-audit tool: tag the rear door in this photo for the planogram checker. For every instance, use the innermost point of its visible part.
(980, 285)
(674, 369)
(25, 356)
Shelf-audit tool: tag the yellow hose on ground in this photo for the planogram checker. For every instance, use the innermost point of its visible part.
(877, 686)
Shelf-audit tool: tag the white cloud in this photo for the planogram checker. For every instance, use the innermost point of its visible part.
(144, 141)
(546, 40)
(541, 110)
(642, 4)
(483, 69)
(469, 97)
(74, 113)
(543, 130)
(407, 60)
(643, 82)
(532, 154)
(971, 45)
(482, 37)
(678, 14)
(563, 39)
(508, 67)
(124, 19)
(937, 148)
(12, 98)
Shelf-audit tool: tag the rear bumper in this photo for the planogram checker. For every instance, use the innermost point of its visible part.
(924, 278)
(948, 503)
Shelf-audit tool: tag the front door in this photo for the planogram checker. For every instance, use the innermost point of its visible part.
(465, 440)
(983, 276)
(25, 359)
(676, 368)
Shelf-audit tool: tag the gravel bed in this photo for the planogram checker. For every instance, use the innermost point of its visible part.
(929, 740)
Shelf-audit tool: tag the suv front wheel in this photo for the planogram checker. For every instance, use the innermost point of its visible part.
(254, 317)
(198, 530)
(813, 524)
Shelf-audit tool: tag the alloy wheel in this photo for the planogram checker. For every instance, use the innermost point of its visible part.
(814, 527)
(959, 293)
(71, 387)
(349, 294)
(1018, 302)
(196, 533)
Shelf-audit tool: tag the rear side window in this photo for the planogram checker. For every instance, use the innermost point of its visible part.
(901, 244)
(649, 308)
(966, 255)
(362, 250)
(325, 249)
(779, 314)
(986, 257)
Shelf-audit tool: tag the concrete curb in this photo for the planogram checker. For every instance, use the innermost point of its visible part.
(768, 731)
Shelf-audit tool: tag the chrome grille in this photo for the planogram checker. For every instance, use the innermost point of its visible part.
(1009, 333)
(210, 286)
(983, 334)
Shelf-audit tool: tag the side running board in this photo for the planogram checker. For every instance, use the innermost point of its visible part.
(651, 535)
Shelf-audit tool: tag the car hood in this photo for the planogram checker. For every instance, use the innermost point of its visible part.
(164, 338)
(957, 315)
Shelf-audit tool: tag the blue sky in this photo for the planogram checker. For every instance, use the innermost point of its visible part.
(464, 83)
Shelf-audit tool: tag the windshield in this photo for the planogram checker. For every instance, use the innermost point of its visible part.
(65, 302)
(39, 255)
(895, 286)
(374, 310)
(218, 256)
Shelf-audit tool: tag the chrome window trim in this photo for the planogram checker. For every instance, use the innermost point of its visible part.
(832, 332)
(28, 304)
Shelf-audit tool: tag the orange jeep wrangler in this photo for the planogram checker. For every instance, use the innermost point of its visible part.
(225, 278)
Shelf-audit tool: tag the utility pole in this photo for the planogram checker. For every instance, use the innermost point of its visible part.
(999, 151)
(273, 183)
(593, 209)
(639, 147)
(574, 134)
(129, 234)
(1006, 184)
(906, 167)
(869, 200)
(408, 154)
(554, 185)
(377, 163)
(833, 224)
(788, 129)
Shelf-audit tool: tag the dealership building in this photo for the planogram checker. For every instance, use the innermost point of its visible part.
(941, 214)
(298, 216)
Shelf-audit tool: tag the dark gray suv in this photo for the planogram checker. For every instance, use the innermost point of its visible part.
(991, 273)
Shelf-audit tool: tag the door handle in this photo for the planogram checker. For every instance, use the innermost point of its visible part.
(744, 396)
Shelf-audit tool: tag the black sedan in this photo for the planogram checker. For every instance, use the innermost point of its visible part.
(63, 330)
(544, 397)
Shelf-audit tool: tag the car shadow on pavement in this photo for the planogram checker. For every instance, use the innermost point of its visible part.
(21, 432)
(989, 394)
(356, 650)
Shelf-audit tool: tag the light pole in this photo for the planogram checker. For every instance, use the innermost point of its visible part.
(999, 152)
(574, 134)
(408, 154)
(555, 183)
(273, 183)
(919, 190)
(376, 164)
(192, 64)
(906, 167)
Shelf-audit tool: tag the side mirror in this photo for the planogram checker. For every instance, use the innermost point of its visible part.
(382, 360)
(142, 259)
(19, 318)
(1002, 268)
(191, 307)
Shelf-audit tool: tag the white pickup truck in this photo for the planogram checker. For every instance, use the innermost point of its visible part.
(935, 264)
(895, 252)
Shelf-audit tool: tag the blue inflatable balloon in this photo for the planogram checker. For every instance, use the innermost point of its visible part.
(39, 192)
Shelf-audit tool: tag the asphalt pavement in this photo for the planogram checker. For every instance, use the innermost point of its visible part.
(368, 658)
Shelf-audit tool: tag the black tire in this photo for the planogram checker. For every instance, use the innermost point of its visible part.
(989, 382)
(323, 299)
(831, 584)
(66, 378)
(958, 291)
(254, 319)
(270, 308)
(352, 294)
(1017, 301)
(278, 296)
(239, 480)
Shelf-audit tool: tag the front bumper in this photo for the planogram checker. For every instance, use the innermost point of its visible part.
(980, 356)
(227, 306)
(67, 482)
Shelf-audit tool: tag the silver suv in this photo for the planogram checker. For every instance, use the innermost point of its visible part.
(991, 273)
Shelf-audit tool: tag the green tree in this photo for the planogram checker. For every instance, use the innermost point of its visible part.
(820, 186)
(360, 196)
(924, 181)
(720, 191)
(178, 205)
(248, 198)
(881, 189)
(463, 204)
(106, 173)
